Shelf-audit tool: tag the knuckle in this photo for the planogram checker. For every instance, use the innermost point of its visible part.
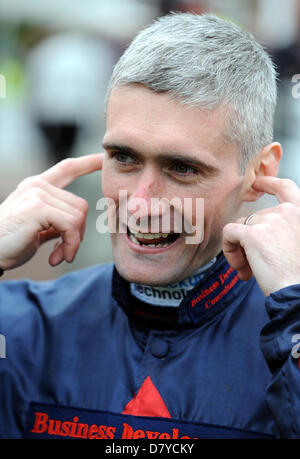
(31, 182)
(34, 197)
(85, 206)
(82, 205)
(252, 231)
(72, 222)
(77, 242)
(272, 218)
(34, 201)
(258, 232)
(82, 221)
(26, 183)
(77, 225)
(67, 164)
(79, 216)
(78, 221)
(227, 229)
(36, 191)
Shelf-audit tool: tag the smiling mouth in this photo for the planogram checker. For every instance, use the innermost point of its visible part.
(152, 240)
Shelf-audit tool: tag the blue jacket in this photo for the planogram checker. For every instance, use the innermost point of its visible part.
(85, 359)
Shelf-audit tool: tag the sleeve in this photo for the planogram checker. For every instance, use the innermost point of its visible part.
(280, 344)
(19, 324)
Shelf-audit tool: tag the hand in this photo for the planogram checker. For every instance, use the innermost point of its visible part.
(39, 210)
(269, 247)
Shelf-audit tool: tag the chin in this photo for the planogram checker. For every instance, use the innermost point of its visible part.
(142, 277)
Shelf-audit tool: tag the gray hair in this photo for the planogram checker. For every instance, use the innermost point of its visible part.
(207, 62)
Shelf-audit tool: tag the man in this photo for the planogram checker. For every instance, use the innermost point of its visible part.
(176, 339)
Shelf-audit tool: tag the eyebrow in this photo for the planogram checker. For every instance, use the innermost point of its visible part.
(208, 168)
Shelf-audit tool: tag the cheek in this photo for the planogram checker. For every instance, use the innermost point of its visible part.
(106, 182)
(215, 201)
(222, 206)
(111, 182)
(213, 214)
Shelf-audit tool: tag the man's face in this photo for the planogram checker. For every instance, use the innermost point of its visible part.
(159, 148)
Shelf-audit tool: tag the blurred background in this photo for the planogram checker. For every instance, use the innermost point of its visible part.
(56, 57)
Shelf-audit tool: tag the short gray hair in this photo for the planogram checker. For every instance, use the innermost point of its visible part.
(205, 61)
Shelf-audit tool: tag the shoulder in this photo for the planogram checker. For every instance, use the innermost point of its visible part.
(52, 325)
(29, 300)
(78, 281)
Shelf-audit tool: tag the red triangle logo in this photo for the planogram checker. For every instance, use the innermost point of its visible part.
(147, 402)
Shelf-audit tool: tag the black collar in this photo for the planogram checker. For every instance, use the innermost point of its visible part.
(219, 286)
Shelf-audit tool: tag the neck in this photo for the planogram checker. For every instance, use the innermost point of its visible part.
(169, 295)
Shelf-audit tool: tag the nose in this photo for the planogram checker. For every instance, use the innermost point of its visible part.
(141, 203)
(146, 187)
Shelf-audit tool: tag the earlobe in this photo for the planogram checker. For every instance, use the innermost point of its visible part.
(266, 163)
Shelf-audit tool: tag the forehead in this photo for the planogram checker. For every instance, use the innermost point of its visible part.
(140, 118)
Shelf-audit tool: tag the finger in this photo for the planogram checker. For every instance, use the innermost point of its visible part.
(60, 204)
(64, 172)
(37, 183)
(285, 209)
(67, 208)
(285, 190)
(57, 255)
(48, 235)
(255, 217)
(233, 236)
(67, 225)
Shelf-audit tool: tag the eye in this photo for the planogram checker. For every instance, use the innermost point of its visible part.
(184, 169)
(123, 158)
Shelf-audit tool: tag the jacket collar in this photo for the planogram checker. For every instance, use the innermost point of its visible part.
(219, 286)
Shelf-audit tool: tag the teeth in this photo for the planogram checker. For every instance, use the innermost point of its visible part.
(151, 235)
(155, 245)
(133, 238)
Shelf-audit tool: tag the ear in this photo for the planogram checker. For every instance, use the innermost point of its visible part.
(265, 163)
